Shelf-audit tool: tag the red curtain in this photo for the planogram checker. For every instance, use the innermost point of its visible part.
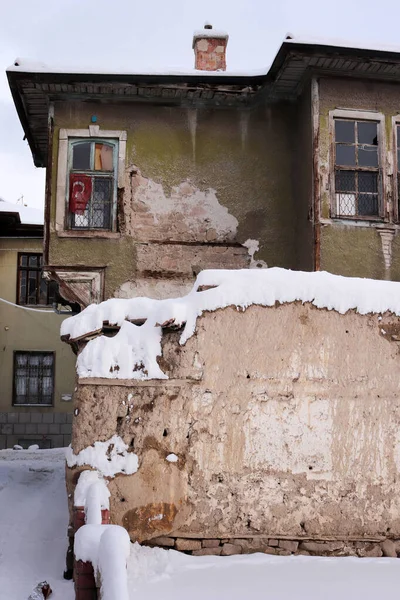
(80, 191)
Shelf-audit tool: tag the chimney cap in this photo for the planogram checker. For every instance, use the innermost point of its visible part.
(209, 32)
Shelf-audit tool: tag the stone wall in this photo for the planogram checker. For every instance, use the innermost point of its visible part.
(284, 421)
(48, 429)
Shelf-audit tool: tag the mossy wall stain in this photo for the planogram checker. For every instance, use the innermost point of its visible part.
(249, 168)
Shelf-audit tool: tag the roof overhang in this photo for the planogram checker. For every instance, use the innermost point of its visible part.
(294, 64)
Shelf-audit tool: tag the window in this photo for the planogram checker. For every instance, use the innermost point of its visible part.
(92, 184)
(32, 288)
(33, 378)
(357, 168)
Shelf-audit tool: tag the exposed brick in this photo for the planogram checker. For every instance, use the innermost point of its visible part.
(282, 552)
(36, 418)
(3, 417)
(6, 429)
(31, 428)
(60, 418)
(2, 442)
(66, 429)
(54, 428)
(185, 545)
(12, 417)
(208, 551)
(370, 551)
(273, 542)
(70, 416)
(230, 549)
(321, 547)
(43, 428)
(288, 545)
(210, 543)
(24, 418)
(389, 549)
(163, 541)
(270, 550)
(48, 417)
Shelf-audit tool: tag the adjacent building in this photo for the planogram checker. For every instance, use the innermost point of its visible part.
(37, 369)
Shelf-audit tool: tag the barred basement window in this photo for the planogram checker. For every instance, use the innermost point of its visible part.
(357, 169)
(92, 184)
(33, 378)
(32, 289)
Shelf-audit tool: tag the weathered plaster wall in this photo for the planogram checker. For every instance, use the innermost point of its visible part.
(347, 249)
(284, 421)
(198, 183)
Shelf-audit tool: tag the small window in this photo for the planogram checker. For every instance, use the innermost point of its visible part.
(92, 184)
(357, 169)
(33, 378)
(32, 288)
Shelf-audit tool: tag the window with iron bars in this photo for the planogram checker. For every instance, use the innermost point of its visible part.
(32, 289)
(92, 184)
(357, 169)
(33, 378)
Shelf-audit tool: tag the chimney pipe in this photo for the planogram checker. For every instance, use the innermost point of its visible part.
(209, 47)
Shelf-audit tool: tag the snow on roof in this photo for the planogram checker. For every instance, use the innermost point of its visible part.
(132, 353)
(27, 66)
(341, 43)
(28, 216)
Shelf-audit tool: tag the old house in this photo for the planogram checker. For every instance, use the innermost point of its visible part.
(37, 373)
(153, 177)
(258, 433)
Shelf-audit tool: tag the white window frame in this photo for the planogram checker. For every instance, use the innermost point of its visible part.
(362, 115)
(92, 132)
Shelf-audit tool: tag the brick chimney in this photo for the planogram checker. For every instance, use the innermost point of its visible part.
(209, 47)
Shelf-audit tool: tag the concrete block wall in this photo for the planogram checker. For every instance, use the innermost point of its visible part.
(49, 430)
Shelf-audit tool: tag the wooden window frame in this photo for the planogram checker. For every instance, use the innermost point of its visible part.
(53, 370)
(92, 133)
(39, 271)
(359, 115)
(396, 170)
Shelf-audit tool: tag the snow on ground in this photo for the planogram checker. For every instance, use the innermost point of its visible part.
(154, 573)
(33, 523)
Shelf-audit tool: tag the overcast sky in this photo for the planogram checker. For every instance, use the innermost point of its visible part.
(157, 35)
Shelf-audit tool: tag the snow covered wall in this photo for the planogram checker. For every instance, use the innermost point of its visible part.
(281, 420)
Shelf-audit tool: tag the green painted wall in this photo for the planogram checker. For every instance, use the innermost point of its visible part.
(27, 330)
(247, 156)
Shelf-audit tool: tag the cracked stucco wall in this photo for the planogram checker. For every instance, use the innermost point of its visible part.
(198, 183)
(285, 421)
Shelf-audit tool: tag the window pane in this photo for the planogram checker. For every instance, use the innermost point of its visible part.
(23, 260)
(346, 205)
(33, 375)
(398, 160)
(32, 287)
(345, 181)
(101, 204)
(345, 155)
(52, 291)
(368, 182)
(43, 291)
(367, 133)
(398, 136)
(22, 286)
(344, 131)
(103, 158)
(367, 157)
(33, 261)
(81, 156)
(367, 205)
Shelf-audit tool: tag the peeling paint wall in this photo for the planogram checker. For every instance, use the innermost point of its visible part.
(284, 421)
(348, 249)
(198, 183)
